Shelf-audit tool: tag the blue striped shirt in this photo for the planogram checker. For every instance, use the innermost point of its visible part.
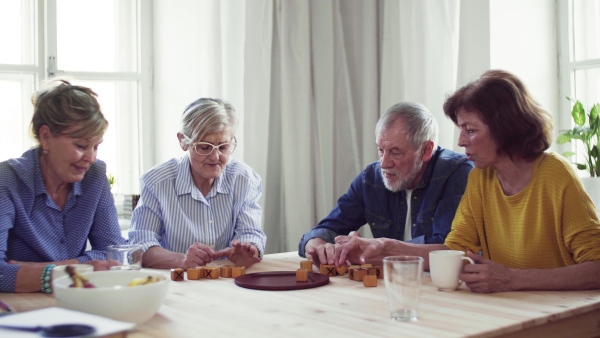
(173, 213)
(34, 229)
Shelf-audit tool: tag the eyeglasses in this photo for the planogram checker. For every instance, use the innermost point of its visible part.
(205, 148)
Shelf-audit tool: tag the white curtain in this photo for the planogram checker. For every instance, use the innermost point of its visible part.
(318, 74)
(310, 79)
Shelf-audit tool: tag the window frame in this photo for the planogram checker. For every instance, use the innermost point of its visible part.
(567, 68)
(137, 154)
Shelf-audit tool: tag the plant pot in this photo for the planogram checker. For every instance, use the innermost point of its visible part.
(592, 187)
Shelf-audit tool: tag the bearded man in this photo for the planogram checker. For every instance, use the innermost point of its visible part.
(410, 194)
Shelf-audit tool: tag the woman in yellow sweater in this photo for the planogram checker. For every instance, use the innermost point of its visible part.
(525, 218)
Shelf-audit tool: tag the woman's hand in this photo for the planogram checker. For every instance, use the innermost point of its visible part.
(241, 254)
(198, 254)
(486, 276)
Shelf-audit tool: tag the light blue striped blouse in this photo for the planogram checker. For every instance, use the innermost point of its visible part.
(173, 213)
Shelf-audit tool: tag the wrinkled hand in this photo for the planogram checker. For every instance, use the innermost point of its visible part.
(485, 276)
(241, 254)
(320, 251)
(358, 250)
(198, 254)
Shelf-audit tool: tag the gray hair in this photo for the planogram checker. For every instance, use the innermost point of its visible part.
(417, 119)
(207, 115)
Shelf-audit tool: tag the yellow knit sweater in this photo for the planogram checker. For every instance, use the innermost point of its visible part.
(551, 223)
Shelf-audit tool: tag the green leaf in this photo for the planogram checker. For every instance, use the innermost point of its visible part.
(594, 152)
(568, 154)
(589, 135)
(578, 114)
(595, 118)
(563, 138)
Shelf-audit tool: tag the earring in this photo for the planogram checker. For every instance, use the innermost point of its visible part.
(45, 151)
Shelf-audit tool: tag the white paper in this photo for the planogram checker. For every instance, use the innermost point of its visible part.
(57, 315)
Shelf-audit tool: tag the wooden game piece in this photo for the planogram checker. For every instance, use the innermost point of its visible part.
(366, 265)
(379, 273)
(194, 273)
(211, 272)
(328, 269)
(177, 274)
(342, 270)
(359, 274)
(238, 271)
(370, 280)
(306, 264)
(351, 269)
(226, 271)
(301, 275)
(372, 271)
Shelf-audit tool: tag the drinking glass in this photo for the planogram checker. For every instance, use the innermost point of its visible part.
(402, 276)
(124, 257)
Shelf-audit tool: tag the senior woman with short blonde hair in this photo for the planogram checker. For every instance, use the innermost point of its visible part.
(56, 196)
(204, 205)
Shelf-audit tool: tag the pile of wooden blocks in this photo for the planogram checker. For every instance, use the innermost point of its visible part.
(366, 273)
(208, 272)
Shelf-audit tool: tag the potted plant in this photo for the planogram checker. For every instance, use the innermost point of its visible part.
(112, 180)
(587, 132)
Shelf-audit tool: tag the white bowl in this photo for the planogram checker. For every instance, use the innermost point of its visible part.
(112, 297)
(59, 270)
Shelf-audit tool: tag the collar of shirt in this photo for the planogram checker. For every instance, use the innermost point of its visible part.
(184, 183)
(31, 158)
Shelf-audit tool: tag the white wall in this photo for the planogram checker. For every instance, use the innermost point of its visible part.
(176, 43)
(188, 52)
(514, 35)
(523, 40)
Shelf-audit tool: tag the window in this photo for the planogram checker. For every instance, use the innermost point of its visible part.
(579, 36)
(95, 43)
(580, 50)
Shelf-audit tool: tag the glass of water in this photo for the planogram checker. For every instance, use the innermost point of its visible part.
(124, 257)
(402, 276)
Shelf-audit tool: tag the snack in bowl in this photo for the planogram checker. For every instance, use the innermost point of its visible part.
(146, 280)
(60, 270)
(78, 280)
(113, 297)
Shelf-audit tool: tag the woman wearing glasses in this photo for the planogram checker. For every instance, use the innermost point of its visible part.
(204, 205)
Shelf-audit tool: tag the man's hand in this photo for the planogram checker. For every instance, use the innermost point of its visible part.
(196, 255)
(321, 252)
(486, 276)
(241, 254)
(358, 250)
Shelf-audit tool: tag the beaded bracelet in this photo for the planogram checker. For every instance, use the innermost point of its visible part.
(45, 278)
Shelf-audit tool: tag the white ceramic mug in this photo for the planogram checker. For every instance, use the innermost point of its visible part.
(445, 266)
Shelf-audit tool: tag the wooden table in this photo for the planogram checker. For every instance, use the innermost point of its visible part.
(345, 308)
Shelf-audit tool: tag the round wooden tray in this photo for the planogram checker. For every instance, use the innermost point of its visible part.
(280, 280)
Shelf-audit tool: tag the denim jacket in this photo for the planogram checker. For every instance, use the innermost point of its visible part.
(368, 201)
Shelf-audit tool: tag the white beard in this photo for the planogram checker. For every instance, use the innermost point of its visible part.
(402, 182)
